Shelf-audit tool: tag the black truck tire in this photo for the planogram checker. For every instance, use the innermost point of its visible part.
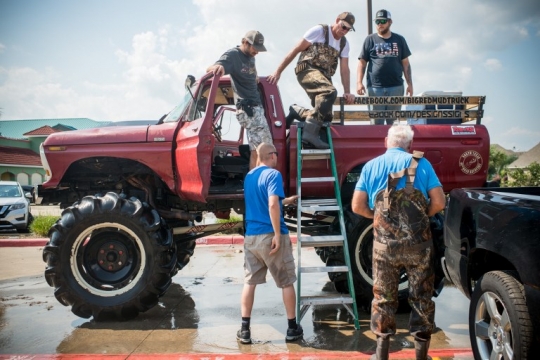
(109, 257)
(499, 322)
(184, 252)
(360, 241)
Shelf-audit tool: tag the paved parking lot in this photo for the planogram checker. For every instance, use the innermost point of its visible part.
(198, 318)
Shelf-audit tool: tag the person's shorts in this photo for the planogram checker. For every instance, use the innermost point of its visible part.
(257, 260)
(257, 129)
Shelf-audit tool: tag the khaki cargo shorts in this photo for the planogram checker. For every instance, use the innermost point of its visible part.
(257, 260)
(257, 129)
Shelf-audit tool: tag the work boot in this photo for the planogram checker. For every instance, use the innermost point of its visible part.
(296, 113)
(311, 133)
(381, 353)
(421, 349)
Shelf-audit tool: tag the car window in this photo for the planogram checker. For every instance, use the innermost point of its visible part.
(9, 191)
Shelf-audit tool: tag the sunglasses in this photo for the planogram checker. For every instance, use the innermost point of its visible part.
(345, 28)
(381, 22)
(273, 152)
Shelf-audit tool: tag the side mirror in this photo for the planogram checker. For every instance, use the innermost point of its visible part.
(190, 80)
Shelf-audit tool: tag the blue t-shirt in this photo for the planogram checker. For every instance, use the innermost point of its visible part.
(374, 176)
(261, 183)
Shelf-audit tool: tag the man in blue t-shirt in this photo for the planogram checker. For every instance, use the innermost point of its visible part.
(267, 245)
(400, 191)
(386, 55)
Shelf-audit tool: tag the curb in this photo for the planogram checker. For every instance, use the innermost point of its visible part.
(322, 355)
(208, 240)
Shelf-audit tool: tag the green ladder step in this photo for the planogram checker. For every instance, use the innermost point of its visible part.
(327, 269)
(318, 179)
(320, 241)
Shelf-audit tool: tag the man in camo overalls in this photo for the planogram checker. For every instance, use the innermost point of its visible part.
(400, 191)
(320, 49)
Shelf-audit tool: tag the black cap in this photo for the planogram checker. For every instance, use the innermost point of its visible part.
(383, 15)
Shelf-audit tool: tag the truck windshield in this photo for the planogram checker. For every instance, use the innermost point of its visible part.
(180, 109)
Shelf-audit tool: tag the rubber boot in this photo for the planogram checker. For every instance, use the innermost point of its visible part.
(381, 353)
(311, 133)
(421, 349)
(296, 113)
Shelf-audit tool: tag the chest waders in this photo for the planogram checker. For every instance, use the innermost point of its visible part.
(314, 71)
(402, 240)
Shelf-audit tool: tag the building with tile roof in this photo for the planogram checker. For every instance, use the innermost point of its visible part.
(18, 162)
(15, 129)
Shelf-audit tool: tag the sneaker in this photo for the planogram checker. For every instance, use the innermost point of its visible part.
(294, 334)
(244, 336)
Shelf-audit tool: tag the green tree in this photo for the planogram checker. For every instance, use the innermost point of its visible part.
(529, 176)
(498, 161)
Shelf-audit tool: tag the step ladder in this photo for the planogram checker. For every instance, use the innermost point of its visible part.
(304, 241)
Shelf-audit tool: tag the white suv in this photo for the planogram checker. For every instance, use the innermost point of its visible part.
(14, 207)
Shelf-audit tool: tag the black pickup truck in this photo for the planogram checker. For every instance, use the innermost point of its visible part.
(492, 255)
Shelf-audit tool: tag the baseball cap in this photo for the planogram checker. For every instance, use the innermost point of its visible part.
(256, 39)
(348, 18)
(383, 15)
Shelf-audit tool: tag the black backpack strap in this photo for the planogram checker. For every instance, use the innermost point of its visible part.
(325, 30)
(342, 44)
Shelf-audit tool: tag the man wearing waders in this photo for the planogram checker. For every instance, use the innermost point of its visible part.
(321, 48)
(400, 191)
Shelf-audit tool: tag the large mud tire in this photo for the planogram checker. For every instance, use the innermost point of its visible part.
(109, 257)
(184, 252)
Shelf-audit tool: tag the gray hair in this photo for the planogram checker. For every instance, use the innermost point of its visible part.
(400, 136)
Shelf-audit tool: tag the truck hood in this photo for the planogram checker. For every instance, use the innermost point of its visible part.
(101, 135)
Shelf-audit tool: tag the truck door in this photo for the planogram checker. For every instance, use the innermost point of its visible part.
(195, 143)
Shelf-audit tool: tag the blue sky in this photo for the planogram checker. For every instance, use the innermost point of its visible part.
(127, 59)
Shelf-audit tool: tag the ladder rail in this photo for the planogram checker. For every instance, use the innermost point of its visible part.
(303, 303)
(300, 311)
(346, 254)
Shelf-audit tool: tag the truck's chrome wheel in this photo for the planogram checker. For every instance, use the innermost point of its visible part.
(499, 321)
(493, 328)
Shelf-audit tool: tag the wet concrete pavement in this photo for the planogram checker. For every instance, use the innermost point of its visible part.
(199, 315)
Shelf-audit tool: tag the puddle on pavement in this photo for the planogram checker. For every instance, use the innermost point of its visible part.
(202, 314)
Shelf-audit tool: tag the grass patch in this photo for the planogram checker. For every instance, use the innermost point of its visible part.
(41, 224)
(232, 218)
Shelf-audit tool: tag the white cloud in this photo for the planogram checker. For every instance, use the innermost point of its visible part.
(493, 65)
(450, 47)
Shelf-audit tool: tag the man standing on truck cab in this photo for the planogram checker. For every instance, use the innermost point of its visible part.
(320, 50)
(400, 191)
(239, 63)
(267, 245)
(388, 56)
